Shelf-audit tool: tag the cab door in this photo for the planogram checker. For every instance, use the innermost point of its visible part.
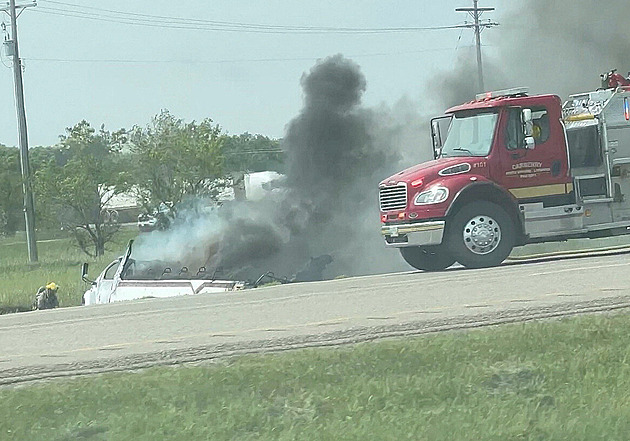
(541, 173)
(106, 283)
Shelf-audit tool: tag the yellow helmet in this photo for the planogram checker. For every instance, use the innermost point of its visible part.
(52, 286)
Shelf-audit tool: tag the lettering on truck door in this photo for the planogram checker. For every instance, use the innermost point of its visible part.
(539, 174)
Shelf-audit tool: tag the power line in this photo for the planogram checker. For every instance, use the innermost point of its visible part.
(226, 61)
(225, 23)
(160, 17)
(63, 13)
(148, 20)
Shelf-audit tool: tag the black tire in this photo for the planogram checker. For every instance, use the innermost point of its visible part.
(433, 258)
(481, 234)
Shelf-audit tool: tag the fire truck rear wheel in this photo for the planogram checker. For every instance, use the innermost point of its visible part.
(480, 235)
(433, 258)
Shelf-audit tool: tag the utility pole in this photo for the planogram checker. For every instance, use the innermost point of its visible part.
(29, 206)
(476, 12)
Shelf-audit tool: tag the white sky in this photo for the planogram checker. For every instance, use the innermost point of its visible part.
(199, 73)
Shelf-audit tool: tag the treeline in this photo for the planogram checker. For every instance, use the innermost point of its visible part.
(162, 164)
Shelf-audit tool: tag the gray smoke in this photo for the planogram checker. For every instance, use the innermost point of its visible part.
(337, 151)
(461, 85)
(562, 46)
(558, 47)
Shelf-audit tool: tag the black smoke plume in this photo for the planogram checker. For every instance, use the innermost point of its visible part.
(327, 205)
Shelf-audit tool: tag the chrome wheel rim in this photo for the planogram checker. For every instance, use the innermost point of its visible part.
(482, 235)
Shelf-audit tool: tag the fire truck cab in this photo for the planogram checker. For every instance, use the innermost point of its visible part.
(512, 169)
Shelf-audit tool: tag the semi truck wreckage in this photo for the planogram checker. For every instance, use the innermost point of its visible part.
(511, 169)
(128, 279)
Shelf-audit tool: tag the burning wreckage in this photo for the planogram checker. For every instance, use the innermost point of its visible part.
(335, 149)
(129, 279)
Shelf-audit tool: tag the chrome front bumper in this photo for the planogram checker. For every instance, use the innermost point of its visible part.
(418, 234)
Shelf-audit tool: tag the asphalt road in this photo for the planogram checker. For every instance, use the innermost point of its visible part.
(130, 335)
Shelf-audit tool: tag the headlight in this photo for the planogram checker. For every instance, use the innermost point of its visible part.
(434, 195)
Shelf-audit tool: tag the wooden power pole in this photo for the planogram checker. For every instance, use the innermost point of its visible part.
(29, 206)
(475, 12)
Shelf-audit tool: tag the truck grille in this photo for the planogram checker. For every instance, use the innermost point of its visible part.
(393, 198)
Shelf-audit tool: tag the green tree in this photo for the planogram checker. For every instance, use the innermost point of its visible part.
(85, 171)
(252, 153)
(175, 159)
(11, 200)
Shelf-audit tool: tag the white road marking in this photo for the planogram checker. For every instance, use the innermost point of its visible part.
(581, 268)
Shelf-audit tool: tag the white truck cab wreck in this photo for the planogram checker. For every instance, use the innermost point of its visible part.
(128, 279)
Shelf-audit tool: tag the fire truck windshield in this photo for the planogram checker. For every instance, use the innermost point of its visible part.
(470, 134)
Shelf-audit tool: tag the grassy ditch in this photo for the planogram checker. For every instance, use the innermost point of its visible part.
(554, 380)
(59, 261)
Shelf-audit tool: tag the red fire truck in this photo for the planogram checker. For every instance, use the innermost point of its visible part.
(512, 169)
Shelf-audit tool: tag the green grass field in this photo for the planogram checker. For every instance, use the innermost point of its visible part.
(59, 261)
(555, 380)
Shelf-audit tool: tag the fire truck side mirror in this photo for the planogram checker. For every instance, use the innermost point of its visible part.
(436, 138)
(528, 125)
(435, 126)
(439, 132)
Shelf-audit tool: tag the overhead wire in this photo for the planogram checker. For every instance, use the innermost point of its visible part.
(459, 39)
(149, 20)
(224, 61)
(225, 23)
(161, 21)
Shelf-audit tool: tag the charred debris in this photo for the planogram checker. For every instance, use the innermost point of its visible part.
(158, 270)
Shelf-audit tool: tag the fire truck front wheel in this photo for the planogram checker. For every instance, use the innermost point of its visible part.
(431, 258)
(480, 235)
